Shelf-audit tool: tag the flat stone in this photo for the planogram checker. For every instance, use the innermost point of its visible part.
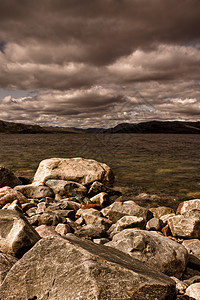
(84, 171)
(44, 231)
(161, 211)
(35, 190)
(161, 252)
(128, 208)
(70, 268)
(66, 188)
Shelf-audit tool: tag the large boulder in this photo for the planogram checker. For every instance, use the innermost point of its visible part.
(6, 262)
(162, 253)
(35, 190)
(8, 178)
(16, 235)
(186, 225)
(70, 268)
(128, 208)
(80, 170)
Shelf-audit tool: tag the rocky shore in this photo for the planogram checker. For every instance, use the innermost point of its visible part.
(69, 235)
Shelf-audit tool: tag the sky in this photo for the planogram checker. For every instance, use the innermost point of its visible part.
(98, 63)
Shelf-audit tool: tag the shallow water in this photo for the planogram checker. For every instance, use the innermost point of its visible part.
(163, 164)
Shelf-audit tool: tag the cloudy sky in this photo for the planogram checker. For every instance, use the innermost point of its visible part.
(97, 63)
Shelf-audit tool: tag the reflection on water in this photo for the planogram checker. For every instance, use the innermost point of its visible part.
(163, 164)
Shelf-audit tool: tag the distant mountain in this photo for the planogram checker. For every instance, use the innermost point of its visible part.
(10, 127)
(145, 127)
(158, 127)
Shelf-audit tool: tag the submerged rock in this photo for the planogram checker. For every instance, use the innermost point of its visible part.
(80, 170)
(70, 268)
(8, 178)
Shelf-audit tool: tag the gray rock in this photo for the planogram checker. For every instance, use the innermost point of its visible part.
(162, 253)
(8, 178)
(35, 190)
(65, 188)
(126, 222)
(128, 208)
(153, 224)
(186, 225)
(84, 171)
(70, 268)
(16, 235)
(6, 262)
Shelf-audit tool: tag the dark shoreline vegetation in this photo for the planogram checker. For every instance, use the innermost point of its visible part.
(166, 165)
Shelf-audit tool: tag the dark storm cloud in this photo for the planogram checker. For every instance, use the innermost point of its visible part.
(98, 62)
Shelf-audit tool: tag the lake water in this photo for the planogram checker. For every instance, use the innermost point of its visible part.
(164, 164)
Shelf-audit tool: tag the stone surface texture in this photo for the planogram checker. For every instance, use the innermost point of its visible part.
(16, 234)
(84, 171)
(162, 253)
(70, 268)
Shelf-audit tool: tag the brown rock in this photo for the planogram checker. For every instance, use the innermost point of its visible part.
(16, 234)
(8, 195)
(44, 231)
(63, 229)
(6, 262)
(70, 268)
(194, 291)
(80, 170)
(8, 178)
(188, 205)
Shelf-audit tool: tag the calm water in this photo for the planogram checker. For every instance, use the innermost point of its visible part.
(163, 164)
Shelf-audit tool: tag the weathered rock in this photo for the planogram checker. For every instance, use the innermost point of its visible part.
(101, 198)
(96, 220)
(41, 207)
(16, 234)
(126, 222)
(50, 219)
(35, 190)
(69, 268)
(80, 170)
(81, 212)
(44, 231)
(193, 247)
(188, 205)
(31, 211)
(128, 208)
(65, 188)
(164, 254)
(161, 211)
(63, 229)
(180, 285)
(69, 204)
(6, 262)
(192, 280)
(186, 225)
(164, 219)
(8, 178)
(91, 231)
(101, 241)
(194, 291)
(153, 224)
(98, 187)
(8, 195)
